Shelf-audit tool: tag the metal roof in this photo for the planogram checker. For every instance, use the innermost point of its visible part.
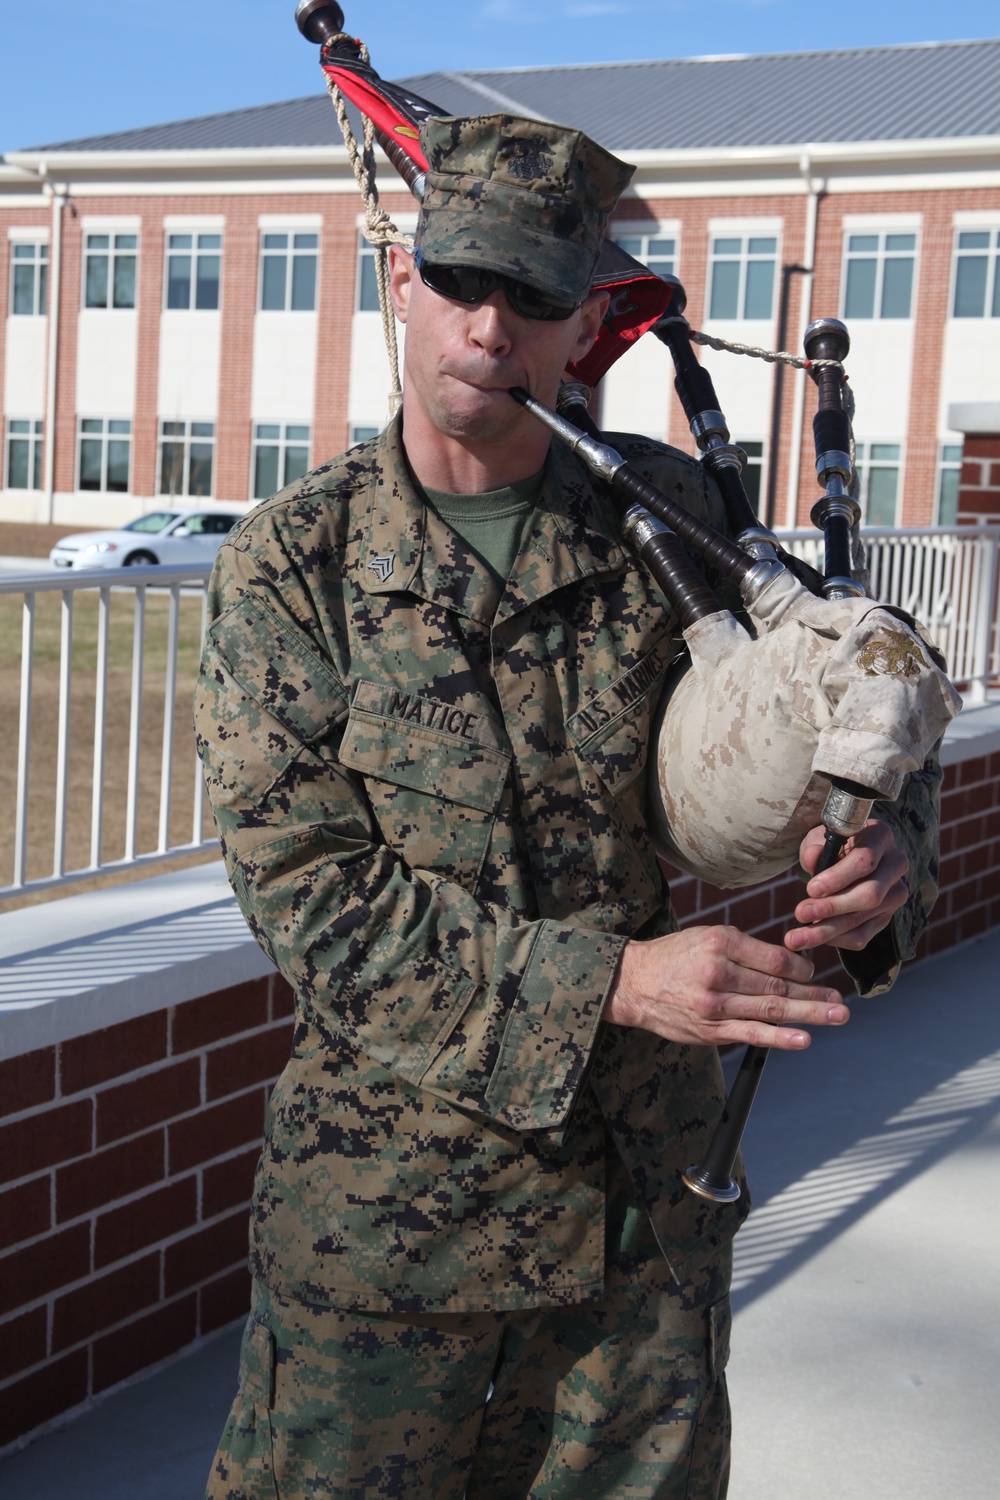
(930, 91)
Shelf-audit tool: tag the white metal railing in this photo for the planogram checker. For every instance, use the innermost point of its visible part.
(168, 582)
(948, 576)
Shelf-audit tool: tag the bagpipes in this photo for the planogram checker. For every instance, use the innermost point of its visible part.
(825, 700)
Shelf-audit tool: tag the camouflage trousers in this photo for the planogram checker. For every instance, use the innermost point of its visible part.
(625, 1397)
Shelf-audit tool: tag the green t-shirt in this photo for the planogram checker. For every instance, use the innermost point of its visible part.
(491, 524)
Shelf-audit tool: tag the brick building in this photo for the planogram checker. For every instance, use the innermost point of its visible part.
(191, 306)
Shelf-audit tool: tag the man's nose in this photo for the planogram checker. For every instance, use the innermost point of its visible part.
(489, 325)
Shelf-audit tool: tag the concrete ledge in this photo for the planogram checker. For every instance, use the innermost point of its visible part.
(182, 935)
(974, 416)
(975, 732)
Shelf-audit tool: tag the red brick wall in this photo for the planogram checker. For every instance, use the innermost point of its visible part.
(979, 483)
(70, 295)
(126, 1162)
(149, 306)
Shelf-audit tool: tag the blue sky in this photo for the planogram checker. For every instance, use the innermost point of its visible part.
(72, 69)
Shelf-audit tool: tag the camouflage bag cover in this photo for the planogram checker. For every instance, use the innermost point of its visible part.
(751, 729)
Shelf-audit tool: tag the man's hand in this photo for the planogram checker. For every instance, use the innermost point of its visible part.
(715, 985)
(856, 897)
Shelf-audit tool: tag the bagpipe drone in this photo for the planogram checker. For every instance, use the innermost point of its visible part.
(814, 704)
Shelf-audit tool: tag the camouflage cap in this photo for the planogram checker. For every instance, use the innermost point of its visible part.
(522, 197)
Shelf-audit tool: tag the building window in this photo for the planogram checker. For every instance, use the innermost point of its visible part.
(753, 472)
(878, 275)
(193, 263)
(288, 271)
(29, 276)
(109, 270)
(280, 456)
(656, 251)
(186, 453)
(367, 285)
(362, 432)
(742, 276)
(878, 471)
(949, 473)
(104, 452)
(977, 274)
(24, 453)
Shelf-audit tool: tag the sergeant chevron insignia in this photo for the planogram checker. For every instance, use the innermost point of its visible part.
(893, 654)
(382, 564)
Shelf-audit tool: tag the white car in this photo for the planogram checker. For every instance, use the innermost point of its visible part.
(162, 536)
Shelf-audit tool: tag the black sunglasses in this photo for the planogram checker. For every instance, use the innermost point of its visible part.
(471, 284)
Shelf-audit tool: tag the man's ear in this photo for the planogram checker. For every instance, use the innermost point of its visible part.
(401, 271)
(591, 316)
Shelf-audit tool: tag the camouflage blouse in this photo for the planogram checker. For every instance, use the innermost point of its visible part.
(430, 799)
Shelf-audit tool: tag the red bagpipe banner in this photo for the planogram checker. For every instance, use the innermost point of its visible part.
(638, 297)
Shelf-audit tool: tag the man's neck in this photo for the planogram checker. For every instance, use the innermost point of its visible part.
(458, 468)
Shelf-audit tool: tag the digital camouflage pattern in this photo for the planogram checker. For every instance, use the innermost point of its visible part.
(625, 1396)
(522, 197)
(846, 688)
(431, 805)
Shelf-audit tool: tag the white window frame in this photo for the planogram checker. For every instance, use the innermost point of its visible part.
(39, 263)
(992, 253)
(106, 437)
(745, 231)
(185, 439)
(406, 224)
(882, 230)
(646, 234)
(362, 432)
(756, 462)
(34, 438)
(196, 252)
(283, 443)
(365, 258)
(291, 252)
(865, 466)
(112, 252)
(949, 461)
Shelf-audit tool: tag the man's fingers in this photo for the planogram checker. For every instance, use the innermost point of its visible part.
(851, 931)
(765, 960)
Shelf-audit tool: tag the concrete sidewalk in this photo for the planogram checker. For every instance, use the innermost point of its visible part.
(866, 1360)
(866, 1355)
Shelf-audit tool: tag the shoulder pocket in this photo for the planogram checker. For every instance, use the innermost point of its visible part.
(610, 735)
(434, 775)
(281, 670)
(611, 730)
(262, 694)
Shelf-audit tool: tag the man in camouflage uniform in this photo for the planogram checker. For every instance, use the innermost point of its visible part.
(423, 714)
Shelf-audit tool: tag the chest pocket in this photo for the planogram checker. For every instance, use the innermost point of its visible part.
(434, 775)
